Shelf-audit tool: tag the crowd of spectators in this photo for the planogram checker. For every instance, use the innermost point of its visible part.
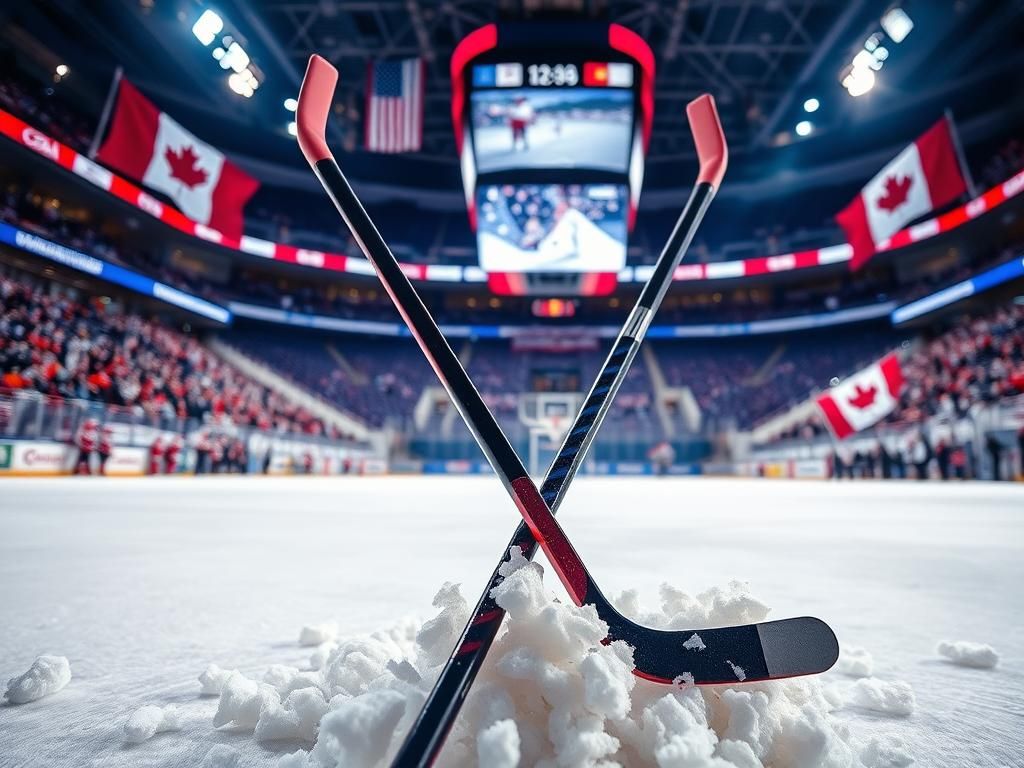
(55, 346)
(978, 361)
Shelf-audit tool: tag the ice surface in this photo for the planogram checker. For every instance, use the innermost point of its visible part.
(143, 584)
(967, 654)
(46, 676)
(150, 720)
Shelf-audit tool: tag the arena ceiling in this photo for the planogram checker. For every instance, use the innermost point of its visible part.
(760, 58)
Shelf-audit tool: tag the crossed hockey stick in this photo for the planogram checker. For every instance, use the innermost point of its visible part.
(753, 652)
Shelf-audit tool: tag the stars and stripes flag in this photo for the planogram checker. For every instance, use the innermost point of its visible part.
(394, 106)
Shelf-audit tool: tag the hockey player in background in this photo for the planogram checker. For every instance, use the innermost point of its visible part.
(173, 454)
(105, 447)
(662, 456)
(520, 116)
(86, 440)
(156, 457)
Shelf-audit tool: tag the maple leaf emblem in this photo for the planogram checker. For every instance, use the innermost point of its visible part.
(185, 166)
(896, 191)
(863, 398)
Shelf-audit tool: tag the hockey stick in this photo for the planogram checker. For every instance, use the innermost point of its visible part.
(752, 652)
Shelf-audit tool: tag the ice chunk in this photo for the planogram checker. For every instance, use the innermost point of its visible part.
(317, 634)
(886, 752)
(357, 732)
(242, 701)
(221, 756)
(741, 674)
(211, 682)
(497, 746)
(46, 676)
(967, 654)
(855, 662)
(694, 643)
(298, 717)
(150, 720)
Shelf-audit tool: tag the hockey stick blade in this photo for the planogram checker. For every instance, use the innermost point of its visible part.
(754, 652)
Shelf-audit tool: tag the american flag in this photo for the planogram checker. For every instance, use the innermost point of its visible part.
(394, 106)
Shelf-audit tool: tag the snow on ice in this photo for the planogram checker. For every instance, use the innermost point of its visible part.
(967, 654)
(150, 720)
(318, 634)
(855, 662)
(221, 756)
(46, 676)
(551, 694)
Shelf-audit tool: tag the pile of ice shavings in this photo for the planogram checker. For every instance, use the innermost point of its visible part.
(550, 694)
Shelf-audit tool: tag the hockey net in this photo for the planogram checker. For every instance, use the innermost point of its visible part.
(547, 416)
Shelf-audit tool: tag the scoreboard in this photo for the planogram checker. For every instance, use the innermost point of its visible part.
(552, 125)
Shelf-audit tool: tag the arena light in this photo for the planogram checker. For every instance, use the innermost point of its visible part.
(811, 105)
(207, 27)
(235, 58)
(859, 81)
(240, 85)
(897, 24)
(292, 129)
(804, 128)
(62, 70)
(291, 104)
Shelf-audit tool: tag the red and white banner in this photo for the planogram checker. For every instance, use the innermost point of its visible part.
(924, 176)
(148, 145)
(864, 399)
(25, 135)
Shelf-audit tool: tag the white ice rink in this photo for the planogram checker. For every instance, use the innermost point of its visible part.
(142, 583)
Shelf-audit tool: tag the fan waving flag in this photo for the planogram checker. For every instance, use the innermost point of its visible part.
(394, 106)
(924, 176)
(151, 147)
(864, 399)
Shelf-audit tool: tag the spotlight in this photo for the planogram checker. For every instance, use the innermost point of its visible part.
(291, 104)
(811, 105)
(897, 24)
(62, 70)
(207, 27)
(804, 128)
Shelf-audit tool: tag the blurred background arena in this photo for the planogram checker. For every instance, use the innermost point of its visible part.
(137, 340)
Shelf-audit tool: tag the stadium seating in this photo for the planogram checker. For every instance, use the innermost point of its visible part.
(57, 346)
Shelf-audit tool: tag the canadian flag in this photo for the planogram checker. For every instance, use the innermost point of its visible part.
(924, 176)
(864, 399)
(150, 146)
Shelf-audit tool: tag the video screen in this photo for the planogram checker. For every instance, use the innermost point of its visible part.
(517, 128)
(551, 227)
